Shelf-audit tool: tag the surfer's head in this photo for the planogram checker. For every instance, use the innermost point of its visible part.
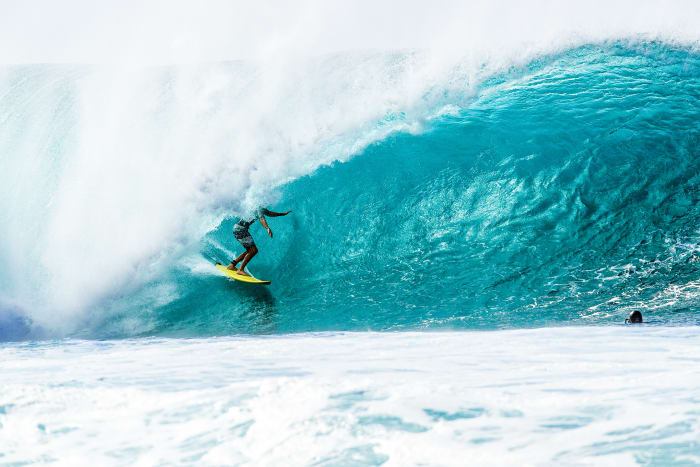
(634, 318)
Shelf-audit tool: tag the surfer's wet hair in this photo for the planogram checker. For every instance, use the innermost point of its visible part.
(634, 318)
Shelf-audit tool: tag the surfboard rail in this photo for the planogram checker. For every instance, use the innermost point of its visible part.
(239, 277)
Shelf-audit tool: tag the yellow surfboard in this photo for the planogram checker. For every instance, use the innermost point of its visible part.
(240, 277)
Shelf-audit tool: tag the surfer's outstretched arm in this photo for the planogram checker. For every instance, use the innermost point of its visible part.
(277, 214)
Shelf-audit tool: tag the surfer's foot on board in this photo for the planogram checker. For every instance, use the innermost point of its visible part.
(232, 266)
(242, 273)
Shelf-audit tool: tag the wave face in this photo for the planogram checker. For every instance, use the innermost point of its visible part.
(562, 192)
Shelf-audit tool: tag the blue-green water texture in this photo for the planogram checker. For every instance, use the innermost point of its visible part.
(564, 192)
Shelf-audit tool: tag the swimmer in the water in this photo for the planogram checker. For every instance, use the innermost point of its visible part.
(634, 318)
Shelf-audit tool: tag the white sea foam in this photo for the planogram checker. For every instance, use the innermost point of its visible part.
(564, 396)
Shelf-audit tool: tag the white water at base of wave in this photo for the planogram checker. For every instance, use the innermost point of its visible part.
(599, 396)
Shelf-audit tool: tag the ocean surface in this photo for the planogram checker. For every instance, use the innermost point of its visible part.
(466, 239)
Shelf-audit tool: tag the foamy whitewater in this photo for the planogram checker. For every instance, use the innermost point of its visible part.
(480, 195)
(557, 396)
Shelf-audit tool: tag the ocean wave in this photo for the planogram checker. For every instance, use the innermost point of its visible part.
(562, 189)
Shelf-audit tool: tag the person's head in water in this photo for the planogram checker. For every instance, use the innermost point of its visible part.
(635, 317)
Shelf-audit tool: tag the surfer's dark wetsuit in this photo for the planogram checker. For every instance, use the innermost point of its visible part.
(240, 230)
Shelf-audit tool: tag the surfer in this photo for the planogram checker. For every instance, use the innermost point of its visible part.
(240, 231)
